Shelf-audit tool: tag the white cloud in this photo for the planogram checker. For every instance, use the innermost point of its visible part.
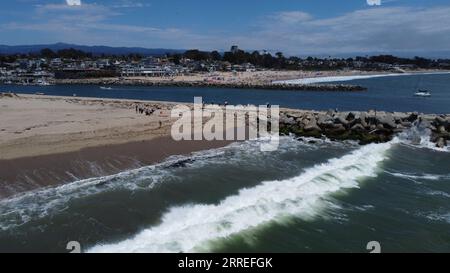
(383, 29)
(369, 30)
(374, 2)
(73, 2)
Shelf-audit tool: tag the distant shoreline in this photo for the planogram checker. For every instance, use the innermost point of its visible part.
(269, 79)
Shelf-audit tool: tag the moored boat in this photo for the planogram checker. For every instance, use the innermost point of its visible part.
(422, 93)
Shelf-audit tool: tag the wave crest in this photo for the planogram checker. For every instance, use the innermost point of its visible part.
(187, 228)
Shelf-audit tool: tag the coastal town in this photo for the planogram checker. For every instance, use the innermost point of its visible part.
(48, 67)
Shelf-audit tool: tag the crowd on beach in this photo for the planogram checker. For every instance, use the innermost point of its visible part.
(141, 109)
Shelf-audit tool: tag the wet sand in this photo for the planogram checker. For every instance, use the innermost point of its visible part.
(30, 173)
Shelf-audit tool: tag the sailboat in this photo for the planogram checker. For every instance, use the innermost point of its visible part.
(422, 92)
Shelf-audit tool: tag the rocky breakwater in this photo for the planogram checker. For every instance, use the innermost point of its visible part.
(215, 84)
(365, 127)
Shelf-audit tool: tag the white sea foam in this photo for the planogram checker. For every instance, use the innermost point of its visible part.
(190, 228)
(438, 193)
(349, 78)
(433, 177)
(420, 137)
(438, 217)
(425, 143)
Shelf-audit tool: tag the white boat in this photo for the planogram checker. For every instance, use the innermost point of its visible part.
(422, 93)
(105, 88)
(43, 82)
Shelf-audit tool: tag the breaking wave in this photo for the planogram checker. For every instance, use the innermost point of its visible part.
(23, 208)
(189, 228)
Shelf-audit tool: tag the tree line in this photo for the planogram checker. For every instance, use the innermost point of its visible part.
(238, 57)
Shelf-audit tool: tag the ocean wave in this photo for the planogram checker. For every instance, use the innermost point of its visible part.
(189, 228)
(350, 78)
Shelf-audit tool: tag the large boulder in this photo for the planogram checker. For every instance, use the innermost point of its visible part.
(441, 130)
(311, 125)
(363, 122)
(388, 121)
(338, 129)
(325, 120)
(358, 128)
(341, 119)
(287, 120)
(439, 120)
(294, 115)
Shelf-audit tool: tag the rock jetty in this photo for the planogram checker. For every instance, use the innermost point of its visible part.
(200, 84)
(365, 127)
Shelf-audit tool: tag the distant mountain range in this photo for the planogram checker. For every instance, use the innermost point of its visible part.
(96, 50)
(108, 50)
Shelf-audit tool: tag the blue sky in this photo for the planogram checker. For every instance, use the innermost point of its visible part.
(292, 26)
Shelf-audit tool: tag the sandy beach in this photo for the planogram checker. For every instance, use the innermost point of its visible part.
(39, 125)
(48, 140)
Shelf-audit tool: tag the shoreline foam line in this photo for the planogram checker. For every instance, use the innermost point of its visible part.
(191, 227)
(351, 78)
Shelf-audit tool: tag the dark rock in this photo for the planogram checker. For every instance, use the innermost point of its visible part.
(441, 143)
(413, 117)
(350, 116)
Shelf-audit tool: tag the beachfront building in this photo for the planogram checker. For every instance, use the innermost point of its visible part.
(147, 71)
